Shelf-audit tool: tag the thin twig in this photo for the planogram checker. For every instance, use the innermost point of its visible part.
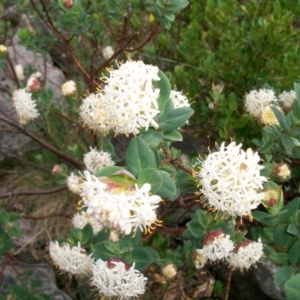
(228, 283)
(46, 217)
(34, 193)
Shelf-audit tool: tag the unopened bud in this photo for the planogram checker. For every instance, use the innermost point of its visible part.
(273, 200)
(112, 262)
(68, 3)
(33, 85)
(169, 270)
(209, 238)
(107, 52)
(56, 169)
(282, 171)
(69, 88)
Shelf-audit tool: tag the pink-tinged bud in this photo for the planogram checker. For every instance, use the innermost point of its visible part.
(243, 244)
(282, 171)
(56, 169)
(68, 3)
(209, 238)
(33, 84)
(273, 199)
(112, 262)
(169, 270)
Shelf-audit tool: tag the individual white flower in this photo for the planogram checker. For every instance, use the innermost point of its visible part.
(97, 160)
(82, 218)
(230, 180)
(19, 72)
(70, 258)
(114, 278)
(25, 106)
(121, 208)
(179, 100)
(127, 102)
(256, 101)
(69, 88)
(287, 98)
(73, 182)
(246, 254)
(169, 270)
(216, 246)
(107, 52)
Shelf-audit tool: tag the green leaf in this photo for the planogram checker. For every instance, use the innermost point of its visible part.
(281, 238)
(87, 234)
(264, 217)
(282, 275)
(107, 171)
(296, 104)
(292, 288)
(139, 156)
(293, 229)
(175, 118)
(168, 189)
(197, 225)
(177, 5)
(287, 142)
(289, 210)
(242, 121)
(151, 176)
(266, 147)
(141, 257)
(15, 230)
(294, 253)
(152, 138)
(173, 135)
(281, 118)
(279, 258)
(101, 251)
(164, 89)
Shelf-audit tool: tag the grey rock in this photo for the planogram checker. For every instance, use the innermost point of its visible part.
(40, 271)
(264, 275)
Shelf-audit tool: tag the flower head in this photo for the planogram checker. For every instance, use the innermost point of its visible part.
(169, 270)
(97, 160)
(69, 88)
(287, 98)
(25, 106)
(179, 100)
(73, 182)
(230, 180)
(246, 254)
(114, 278)
(107, 52)
(82, 218)
(268, 117)
(256, 101)
(119, 207)
(33, 84)
(282, 171)
(216, 245)
(19, 72)
(127, 102)
(199, 260)
(71, 259)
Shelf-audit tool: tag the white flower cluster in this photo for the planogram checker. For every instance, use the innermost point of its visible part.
(127, 102)
(230, 180)
(116, 279)
(218, 246)
(73, 182)
(287, 98)
(69, 88)
(179, 100)
(97, 160)
(71, 259)
(256, 101)
(81, 219)
(121, 209)
(246, 255)
(25, 106)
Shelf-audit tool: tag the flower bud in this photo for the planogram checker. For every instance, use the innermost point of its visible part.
(273, 200)
(107, 52)
(68, 3)
(56, 169)
(210, 237)
(169, 270)
(19, 72)
(69, 88)
(111, 263)
(33, 85)
(282, 171)
(3, 52)
(199, 260)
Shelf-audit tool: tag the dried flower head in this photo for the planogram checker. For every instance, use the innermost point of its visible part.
(282, 171)
(268, 117)
(169, 270)
(256, 101)
(230, 180)
(25, 106)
